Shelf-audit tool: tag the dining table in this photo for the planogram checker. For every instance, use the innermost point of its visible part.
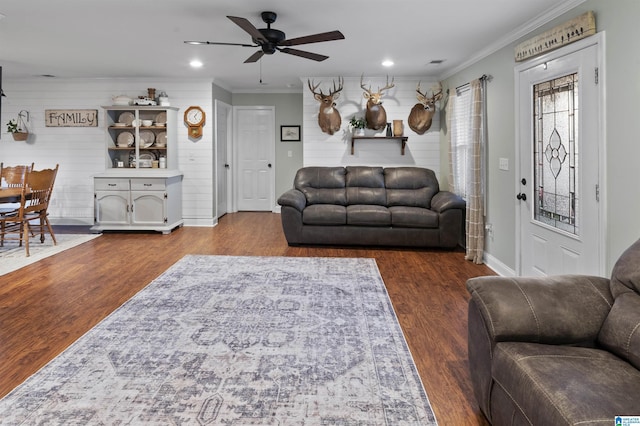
(10, 194)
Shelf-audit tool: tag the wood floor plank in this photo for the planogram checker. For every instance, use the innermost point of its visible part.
(46, 306)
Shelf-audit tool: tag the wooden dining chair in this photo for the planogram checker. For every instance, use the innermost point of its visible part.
(13, 176)
(31, 217)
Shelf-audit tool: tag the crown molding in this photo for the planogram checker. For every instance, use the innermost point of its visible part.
(515, 35)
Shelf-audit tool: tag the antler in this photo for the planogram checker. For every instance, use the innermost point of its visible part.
(362, 85)
(419, 92)
(313, 89)
(340, 84)
(388, 86)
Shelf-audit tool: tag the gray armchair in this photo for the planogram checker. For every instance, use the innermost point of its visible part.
(561, 350)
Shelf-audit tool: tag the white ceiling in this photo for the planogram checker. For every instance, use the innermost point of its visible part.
(144, 38)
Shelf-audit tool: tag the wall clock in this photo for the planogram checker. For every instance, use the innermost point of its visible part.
(194, 118)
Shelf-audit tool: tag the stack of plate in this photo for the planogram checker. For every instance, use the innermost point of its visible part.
(161, 139)
(125, 139)
(146, 139)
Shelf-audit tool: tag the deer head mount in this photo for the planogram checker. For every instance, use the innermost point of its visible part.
(376, 115)
(422, 113)
(329, 118)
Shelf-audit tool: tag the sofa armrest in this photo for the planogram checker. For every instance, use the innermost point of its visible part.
(445, 200)
(293, 198)
(563, 309)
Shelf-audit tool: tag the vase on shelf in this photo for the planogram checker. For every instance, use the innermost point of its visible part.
(398, 128)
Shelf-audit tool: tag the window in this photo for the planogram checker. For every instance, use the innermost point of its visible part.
(462, 133)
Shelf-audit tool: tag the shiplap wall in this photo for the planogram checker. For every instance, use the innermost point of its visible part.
(80, 150)
(321, 149)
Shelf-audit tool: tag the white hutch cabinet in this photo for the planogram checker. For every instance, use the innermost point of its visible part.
(141, 188)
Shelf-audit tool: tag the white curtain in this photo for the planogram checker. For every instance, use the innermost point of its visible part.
(466, 124)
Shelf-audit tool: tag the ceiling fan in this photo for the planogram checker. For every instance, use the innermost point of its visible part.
(270, 39)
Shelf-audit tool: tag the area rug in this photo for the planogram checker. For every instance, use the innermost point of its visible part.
(237, 341)
(13, 257)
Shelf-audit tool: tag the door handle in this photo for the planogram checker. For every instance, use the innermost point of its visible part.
(522, 196)
(226, 166)
(523, 181)
(269, 165)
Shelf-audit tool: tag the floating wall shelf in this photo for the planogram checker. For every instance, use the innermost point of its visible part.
(402, 139)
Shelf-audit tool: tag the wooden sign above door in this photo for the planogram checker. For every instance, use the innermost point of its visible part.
(573, 30)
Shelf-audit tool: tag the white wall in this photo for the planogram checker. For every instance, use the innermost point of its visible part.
(321, 149)
(80, 150)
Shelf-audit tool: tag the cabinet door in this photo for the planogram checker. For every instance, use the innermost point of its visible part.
(148, 207)
(112, 207)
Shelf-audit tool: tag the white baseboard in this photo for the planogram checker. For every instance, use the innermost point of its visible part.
(208, 222)
(498, 267)
(84, 221)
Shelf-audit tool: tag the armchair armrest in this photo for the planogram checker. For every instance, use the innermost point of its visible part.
(445, 200)
(564, 309)
(293, 198)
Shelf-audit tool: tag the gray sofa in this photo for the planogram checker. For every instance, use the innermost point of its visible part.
(373, 206)
(561, 350)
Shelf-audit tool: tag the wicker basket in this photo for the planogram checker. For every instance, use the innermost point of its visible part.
(20, 136)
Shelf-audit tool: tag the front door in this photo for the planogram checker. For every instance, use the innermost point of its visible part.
(254, 143)
(559, 143)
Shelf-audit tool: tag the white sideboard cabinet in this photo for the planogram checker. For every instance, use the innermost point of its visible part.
(141, 203)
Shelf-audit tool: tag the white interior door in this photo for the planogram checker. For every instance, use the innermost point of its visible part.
(223, 168)
(254, 143)
(559, 143)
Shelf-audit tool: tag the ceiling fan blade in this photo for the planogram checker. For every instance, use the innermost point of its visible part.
(248, 27)
(303, 54)
(220, 43)
(315, 38)
(255, 57)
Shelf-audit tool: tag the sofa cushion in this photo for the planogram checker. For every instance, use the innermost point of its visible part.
(322, 185)
(410, 186)
(365, 185)
(625, 276)
(565, 385)
(368, 215)
(620, 332)
(324, 214)
(413, 217)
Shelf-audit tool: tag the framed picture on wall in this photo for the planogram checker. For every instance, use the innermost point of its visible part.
(290, 133)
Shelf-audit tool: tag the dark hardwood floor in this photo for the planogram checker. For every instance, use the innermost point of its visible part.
(46, 306)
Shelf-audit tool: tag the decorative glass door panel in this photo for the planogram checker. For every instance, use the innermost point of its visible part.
(555, 153)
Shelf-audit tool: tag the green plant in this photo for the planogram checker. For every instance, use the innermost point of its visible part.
(357, 122)
(12, 126)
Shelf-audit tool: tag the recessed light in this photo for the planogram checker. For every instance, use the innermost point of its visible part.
(195, 63)
(387, 63)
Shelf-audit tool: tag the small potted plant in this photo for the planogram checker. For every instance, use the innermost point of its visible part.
(18, 129)
(358, 124)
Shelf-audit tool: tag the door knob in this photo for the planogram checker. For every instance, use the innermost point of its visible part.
(269, 165)
(226, 166)
(522, 196)
(523, 181)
